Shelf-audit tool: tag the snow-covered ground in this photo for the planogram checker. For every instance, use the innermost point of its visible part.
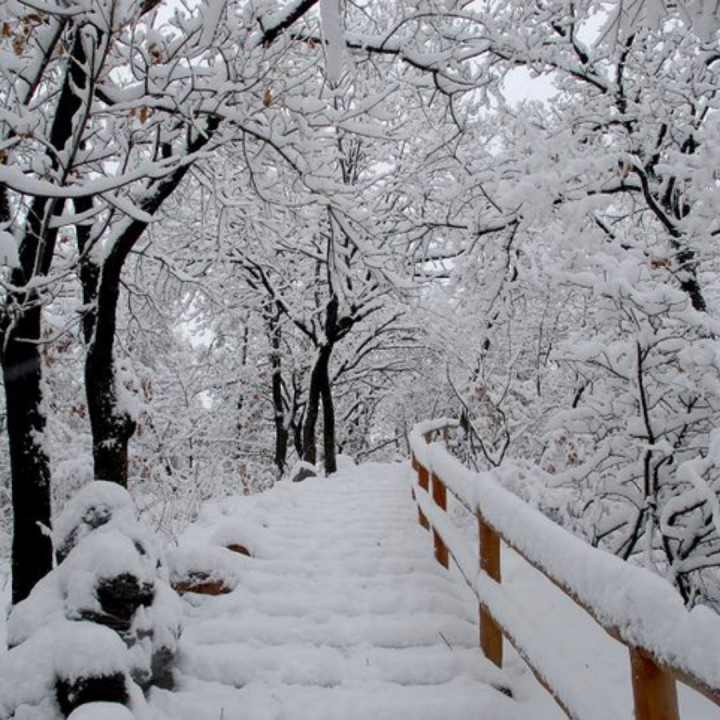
(341, 612)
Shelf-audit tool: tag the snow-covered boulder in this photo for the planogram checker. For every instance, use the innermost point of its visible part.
(97, 503)
(101, 711)
(59, 667)
(246, 538)
(204, 569)
(111, 584)
(302, 471)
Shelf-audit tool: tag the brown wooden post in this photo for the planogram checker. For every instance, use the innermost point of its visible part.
(439, 493)
(416, 467)
(653, 689)
(491, 638)
(424, 522)
(424, 483)
(423, 478)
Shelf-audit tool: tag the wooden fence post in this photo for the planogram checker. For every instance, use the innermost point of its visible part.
(654, 690)
(424, 483)
(439, 493)
(491, 638)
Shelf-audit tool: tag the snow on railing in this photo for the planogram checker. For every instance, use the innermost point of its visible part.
(666, 642)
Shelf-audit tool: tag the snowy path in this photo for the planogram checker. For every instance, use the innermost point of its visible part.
(342, 614)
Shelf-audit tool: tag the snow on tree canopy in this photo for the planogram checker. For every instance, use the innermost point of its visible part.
(94, 505)
(333, 38)
(703, 16)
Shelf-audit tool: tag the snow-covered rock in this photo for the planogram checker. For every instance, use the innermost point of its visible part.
(97, 503)
(101, 711)
(106, 612)
(205, 569)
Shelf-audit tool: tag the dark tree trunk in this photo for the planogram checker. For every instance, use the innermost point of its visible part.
(20, 338)
(112, 427)
(312, 410)
(281, 430)
(29, 464)
(297, 435)
(320, 391)
(89, 270)
(329, 445)
(241, 397)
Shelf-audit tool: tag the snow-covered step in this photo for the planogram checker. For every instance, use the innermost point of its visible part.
(422, 629)
(461, 699)
(341, 614)
(321, 665)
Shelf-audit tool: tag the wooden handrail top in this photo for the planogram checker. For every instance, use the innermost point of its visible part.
(632, 604)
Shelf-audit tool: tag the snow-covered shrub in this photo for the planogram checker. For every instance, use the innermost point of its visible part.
(107, 601)
(95, 504)
(636, 450)
(61, 665)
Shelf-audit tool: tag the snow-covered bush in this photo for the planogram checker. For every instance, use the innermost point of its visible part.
(105, 620)
(60, 665)
(642, 470)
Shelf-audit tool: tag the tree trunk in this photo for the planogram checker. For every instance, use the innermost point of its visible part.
(297, 435)
(29, 464)
(281, 430)
(328, 423)
(112, 427)
(320, 390)
(318, 377)
(89, 270)
(20, 338)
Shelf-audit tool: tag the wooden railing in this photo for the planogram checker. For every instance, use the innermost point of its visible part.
(666, 643)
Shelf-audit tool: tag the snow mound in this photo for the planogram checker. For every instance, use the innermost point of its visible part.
(204, 564)
(106, 553)
(249, 535)
(97, 503)
(86, 649)
(345, 462)
(61, 651)
(101, 711)
(110, 616)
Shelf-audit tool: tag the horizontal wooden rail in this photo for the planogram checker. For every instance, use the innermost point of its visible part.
(654, 667)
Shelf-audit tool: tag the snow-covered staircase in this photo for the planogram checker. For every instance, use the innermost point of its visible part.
(342, 614)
